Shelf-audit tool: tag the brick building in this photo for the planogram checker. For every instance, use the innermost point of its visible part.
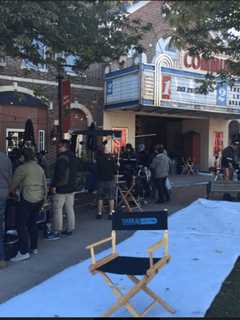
(154, 98)
(27, 93)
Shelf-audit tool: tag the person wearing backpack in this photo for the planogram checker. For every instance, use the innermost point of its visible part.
(63, 187)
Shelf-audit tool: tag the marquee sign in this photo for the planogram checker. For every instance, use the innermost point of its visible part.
(122, 86)
(168, 87)
(180, 87)
(198, 63)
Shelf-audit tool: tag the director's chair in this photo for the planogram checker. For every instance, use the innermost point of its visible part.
(126, 195)
(147, 267)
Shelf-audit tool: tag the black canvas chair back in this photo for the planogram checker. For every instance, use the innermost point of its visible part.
(147, 220)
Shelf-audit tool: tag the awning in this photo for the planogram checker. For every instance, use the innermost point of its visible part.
(20, 99)
(224, 114)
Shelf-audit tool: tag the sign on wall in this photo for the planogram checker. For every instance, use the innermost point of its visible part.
(109, 85)
(171, 87)
(200, 64)
(221, 94)
(218, 143)
(148, 85)
(185, 90)
(123, 88)
(66, 105)
(117, 144)
(166, 87)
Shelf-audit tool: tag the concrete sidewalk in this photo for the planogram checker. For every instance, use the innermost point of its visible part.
(55, 256)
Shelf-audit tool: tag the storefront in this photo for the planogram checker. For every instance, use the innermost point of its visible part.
(161, 103)
(15, 109)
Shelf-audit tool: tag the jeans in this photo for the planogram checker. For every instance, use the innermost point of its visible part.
(163, 194)
(60, 201)
(27, 227)
(2, 214)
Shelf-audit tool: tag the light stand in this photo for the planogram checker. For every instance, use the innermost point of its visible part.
(117, 179)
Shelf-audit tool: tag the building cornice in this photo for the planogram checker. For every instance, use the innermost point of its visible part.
(50, 83)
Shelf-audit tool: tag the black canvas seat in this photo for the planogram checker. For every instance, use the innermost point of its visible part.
(128, 265)
(133, 267)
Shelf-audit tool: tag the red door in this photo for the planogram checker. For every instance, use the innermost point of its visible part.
(191, 142)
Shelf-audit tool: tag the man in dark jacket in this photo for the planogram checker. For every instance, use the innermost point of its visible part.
(63, 187)
(160, 167)
(5, 181)
(228, 159)
(106, 170)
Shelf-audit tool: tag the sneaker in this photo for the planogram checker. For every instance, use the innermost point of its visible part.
(110, 215)
(20, 257)
(99, 216)
(34, 251)
(3, 264)
(67, 233)
(53, 236)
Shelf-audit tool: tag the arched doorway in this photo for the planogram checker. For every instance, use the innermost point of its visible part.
(81, 119)
(78, 106)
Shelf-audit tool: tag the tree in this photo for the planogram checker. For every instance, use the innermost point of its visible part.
(90, 31)
(208, 28)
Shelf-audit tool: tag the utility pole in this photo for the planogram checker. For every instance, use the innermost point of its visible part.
(60, 78)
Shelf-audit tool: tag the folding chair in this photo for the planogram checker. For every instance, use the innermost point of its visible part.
(126, 195)
(147, 267)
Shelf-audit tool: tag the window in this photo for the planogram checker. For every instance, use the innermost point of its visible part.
(50, 105)
(41, 140)
(13, 138)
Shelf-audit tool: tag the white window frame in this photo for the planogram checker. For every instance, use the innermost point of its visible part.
(9, 130)
(41, 142)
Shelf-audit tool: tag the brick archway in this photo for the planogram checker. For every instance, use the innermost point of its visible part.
(80, 107)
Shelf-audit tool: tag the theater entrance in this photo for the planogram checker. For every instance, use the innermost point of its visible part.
(152, 130)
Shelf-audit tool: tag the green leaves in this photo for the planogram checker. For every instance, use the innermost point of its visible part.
(203, 27)
(92, 31)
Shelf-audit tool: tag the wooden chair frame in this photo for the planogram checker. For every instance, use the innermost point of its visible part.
(123, 300)
(127, 196)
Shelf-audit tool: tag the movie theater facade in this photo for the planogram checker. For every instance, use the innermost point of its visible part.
(160, 102)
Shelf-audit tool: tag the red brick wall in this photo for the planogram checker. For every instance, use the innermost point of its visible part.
(14, 117)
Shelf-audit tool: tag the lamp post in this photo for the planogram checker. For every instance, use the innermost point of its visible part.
(60, 78)
(64, 97)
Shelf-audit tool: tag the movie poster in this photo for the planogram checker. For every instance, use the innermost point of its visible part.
(218, 143)
(118, 143)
